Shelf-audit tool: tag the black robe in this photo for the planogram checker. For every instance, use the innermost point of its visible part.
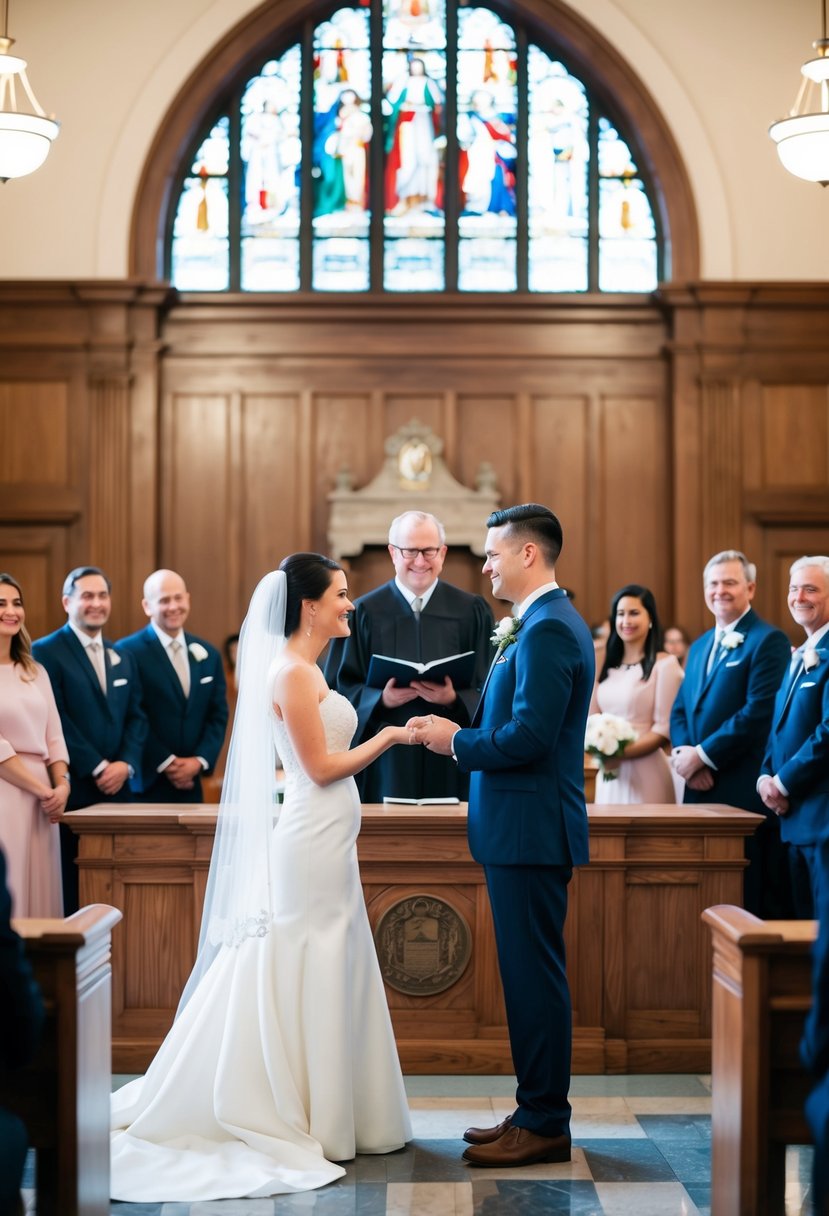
(452, 622)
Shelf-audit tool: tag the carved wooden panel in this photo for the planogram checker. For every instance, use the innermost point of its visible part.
(34, 423)
(36, 558)
(795, 435)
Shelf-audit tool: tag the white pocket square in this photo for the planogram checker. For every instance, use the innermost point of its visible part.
(808, 684)
(118, 683)
(206, 680)
(734, 663)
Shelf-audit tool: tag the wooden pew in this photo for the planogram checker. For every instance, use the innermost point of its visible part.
(761, 995)
(63, 1096)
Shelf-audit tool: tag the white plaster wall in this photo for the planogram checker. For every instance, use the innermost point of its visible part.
(722, 70)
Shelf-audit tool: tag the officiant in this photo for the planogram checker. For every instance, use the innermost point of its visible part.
(419, 617)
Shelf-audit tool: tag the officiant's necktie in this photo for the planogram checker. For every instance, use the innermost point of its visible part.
(181, 664)
(96, 654)
(417, 604)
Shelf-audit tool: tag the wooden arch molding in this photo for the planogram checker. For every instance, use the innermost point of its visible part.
(588, 53)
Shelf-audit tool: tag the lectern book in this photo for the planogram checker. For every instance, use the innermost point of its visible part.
(459, 667)
(422, 801)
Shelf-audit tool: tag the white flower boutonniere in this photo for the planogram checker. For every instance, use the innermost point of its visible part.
(811, 659)
(114, 657)
(730, 641)
(197, 651)
(506, 632)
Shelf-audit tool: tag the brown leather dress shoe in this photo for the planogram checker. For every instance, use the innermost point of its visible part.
(518, 1146)
(486, 1135)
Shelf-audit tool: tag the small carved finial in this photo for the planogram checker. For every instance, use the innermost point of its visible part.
(486, 479)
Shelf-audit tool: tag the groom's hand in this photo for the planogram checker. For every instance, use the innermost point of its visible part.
(436, 734)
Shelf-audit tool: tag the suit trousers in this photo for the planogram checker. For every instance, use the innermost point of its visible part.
(529, 907)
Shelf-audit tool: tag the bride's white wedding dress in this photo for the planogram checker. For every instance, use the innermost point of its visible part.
(283, 1061)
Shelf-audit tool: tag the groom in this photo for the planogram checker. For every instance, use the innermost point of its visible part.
(527, 819)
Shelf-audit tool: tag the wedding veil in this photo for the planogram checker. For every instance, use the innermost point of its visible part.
(237, 903)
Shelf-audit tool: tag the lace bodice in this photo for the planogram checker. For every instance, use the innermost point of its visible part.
(339, 718)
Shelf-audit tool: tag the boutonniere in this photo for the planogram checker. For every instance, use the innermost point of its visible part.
(730, 641)
(811, 659)
(506, 632)
(114, 658)
(197, 651)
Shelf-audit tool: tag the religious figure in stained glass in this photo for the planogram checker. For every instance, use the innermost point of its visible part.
(487, 157)
(341, 139)
(414, 126)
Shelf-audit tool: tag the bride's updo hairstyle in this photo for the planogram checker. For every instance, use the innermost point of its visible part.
(308, 577)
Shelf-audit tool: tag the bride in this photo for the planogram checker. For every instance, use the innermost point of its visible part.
(281, 1060)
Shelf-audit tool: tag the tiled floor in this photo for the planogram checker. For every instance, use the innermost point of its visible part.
(641, 1148)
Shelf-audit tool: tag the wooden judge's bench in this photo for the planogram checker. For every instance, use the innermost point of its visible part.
(638, 951)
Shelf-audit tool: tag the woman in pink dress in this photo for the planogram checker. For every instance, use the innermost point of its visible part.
(639, 683)
(34, 784)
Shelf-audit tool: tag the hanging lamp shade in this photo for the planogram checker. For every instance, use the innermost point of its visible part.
(25, 135)
(803, 138)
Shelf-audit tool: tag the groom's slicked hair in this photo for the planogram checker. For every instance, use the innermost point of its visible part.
(308, 577)
(531, 521)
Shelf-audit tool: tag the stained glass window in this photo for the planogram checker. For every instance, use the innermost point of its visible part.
(415, 146)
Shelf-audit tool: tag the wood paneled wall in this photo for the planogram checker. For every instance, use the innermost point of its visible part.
(137, 430)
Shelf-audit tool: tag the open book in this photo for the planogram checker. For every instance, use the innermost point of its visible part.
(423, 801)
(459, 667)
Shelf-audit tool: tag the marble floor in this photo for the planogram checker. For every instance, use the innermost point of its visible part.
(641, 1147)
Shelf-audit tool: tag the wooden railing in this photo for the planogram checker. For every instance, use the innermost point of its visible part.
(63, 1095)
(761, 995)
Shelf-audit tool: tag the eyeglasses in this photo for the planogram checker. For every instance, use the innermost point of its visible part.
(411, 554)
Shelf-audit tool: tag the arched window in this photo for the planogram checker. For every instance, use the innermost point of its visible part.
(414, 146)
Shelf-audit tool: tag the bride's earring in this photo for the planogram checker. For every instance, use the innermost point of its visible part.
(310, 628)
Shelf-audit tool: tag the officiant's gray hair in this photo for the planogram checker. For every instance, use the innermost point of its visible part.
(731, 555)
(417, 517)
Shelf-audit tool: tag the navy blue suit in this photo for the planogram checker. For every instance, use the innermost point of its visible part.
(96, 727)
(728, 712)
(177, 725)
(798, 753)
(528, 827)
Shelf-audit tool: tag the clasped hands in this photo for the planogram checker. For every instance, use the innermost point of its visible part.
(687, 763)
(436, 734)
(436, 694)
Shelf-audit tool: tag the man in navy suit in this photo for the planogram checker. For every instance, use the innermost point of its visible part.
(183, 694)
(527, 819)
(99, 702)
(794, 780)
(722, 715)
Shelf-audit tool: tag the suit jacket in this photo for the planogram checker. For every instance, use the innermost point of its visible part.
(96, 727)
(177, 725)
(728, 711)
(798, 751)
(525, 748)
(452, 622)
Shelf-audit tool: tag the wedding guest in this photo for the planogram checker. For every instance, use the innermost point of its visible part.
(722, 717)
(639, 683)
(99, 702)
(676, 641)
(182, 694)
(420, 617)
(33, 766)
(794, 779)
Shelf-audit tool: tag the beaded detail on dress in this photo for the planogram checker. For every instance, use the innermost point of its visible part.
(339, 719)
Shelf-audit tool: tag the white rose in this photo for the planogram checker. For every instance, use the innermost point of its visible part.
(114, 658)
(197, 651)
(811, 659)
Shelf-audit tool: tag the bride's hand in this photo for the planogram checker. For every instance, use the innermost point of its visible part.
(401, 734)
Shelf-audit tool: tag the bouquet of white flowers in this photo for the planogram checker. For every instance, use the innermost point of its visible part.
(606, 737)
